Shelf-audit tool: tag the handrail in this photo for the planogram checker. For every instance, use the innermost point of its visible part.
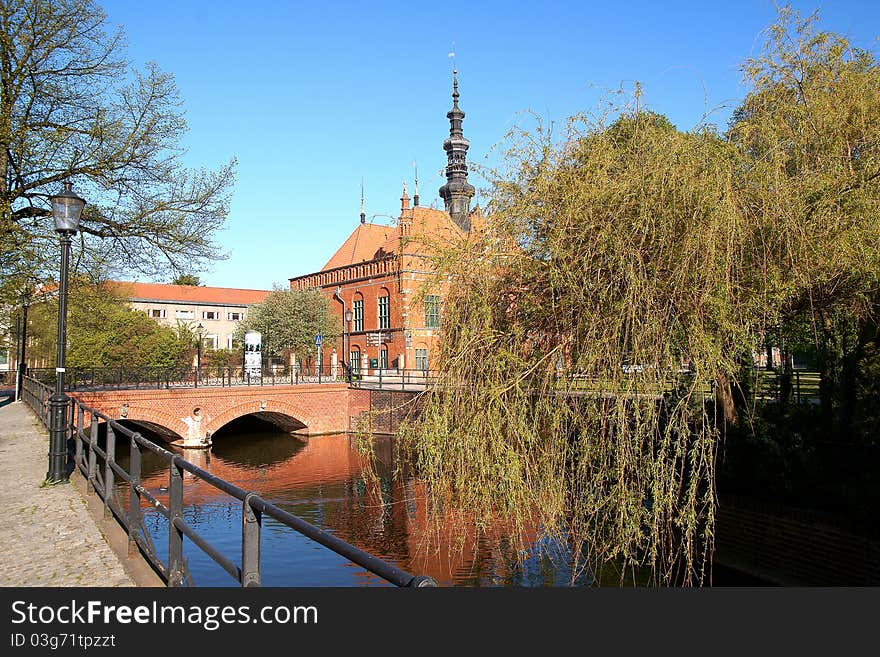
(152, 378)
(101, 478)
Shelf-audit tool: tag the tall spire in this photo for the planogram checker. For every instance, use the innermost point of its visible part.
(363, 214)
(457, 192)
(416, 190)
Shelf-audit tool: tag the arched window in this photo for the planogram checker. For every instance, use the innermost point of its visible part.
(432, 311)
(358, 311)
(354, 359)
(384, 314)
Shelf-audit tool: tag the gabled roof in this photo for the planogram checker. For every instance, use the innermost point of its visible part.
(367, 242)
(363, 244)
(135, 291)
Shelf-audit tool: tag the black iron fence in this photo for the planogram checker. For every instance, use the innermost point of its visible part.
(767, 385)
(802, 385)
(92, 378)
(392, 379)
(798, 386)
(137, 378)
(98, 465)
(7, 378)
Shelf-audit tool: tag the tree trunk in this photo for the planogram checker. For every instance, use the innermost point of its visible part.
(725, 401)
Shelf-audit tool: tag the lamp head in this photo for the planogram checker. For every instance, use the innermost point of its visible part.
(67, 208)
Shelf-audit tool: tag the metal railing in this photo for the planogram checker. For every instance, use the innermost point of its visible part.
(137, 378)
(145, 378)
(803, 385)
(7, 378)
(766, 385)
(100, 469)
(393, 379)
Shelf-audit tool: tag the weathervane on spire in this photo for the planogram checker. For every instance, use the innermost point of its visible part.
(457, 192)
(416, 190)
(363, 214)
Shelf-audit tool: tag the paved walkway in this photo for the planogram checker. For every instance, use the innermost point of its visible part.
(47, 537)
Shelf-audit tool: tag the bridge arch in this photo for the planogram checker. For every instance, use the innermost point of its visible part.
(154, 429)
(158, 421)
(285, 415)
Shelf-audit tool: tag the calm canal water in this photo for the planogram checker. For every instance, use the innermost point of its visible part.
(323, 480)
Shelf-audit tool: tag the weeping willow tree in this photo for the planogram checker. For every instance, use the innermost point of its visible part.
(596, 329)
(565, 401)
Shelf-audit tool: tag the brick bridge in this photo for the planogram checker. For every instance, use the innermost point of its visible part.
(189, 416)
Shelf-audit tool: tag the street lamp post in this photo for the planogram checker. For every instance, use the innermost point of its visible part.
(200, 331)
(22, 354)
(66, 210)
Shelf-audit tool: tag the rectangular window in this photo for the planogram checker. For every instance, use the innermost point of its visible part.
(184, 314)
(354, 361)
(432, 311)
(212, 341)
(383, 358)
(235, 317)
(210, 314)
(157, 313)
(422, 360)
(384, 314)
(358, 315)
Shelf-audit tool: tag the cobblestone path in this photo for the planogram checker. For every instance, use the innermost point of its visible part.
(47, 536)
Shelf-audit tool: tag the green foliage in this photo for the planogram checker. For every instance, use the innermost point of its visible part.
(289, 320)
(187, 279)
(809, 133)
(73, 109)
(217, 358)
(102, 331)
(609, 249)
(626, 241)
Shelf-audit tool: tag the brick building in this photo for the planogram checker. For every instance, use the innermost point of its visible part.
(379, 272)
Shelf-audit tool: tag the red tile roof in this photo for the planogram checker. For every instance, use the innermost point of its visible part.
(189, 293)
(363, 244)
(428, 226)
(371, 241)
(430, 229)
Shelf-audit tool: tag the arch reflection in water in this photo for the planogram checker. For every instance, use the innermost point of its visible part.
(322, 480)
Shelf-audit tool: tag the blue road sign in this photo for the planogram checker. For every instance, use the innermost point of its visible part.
(318, 340)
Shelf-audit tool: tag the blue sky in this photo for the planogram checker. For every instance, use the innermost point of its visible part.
(311, 97)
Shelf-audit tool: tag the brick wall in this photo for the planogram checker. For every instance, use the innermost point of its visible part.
(792, 547)
(320, 408)
(383, 410)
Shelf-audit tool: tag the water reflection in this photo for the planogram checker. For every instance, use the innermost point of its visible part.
(323, 480)
(261, 450)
